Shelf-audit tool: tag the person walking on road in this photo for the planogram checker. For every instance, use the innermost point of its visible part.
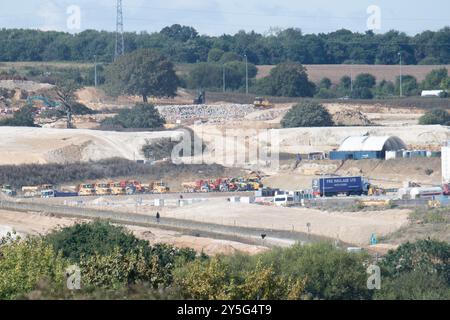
(158, 217)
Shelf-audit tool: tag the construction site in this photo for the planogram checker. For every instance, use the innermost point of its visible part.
(350, 183)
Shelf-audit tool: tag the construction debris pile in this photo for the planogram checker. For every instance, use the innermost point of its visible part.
(210, 113)
(351, 118)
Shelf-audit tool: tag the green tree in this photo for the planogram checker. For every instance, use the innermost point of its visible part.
(345, 83)
(215, 55)
(409, 85)
(119, 269)
(365, 81)
(331, 273)
(89, 239)
(435, 116)
(362, 93)
(143, 72)
(290, 79)
(141, 116)
(434, 79)
(325, 83)
(308, 114)
(65, 90)
(25, 263)
(230, 57)
(414, 285)
(426, 256)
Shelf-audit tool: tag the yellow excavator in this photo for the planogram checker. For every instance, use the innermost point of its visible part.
(262, 103)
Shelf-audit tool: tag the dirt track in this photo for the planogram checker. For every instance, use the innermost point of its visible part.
(39, 224)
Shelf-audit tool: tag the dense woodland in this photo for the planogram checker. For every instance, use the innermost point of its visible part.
(184, 44)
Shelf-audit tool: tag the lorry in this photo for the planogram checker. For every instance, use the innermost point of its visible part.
(50, 193)
(102, 189)
(334, 186)
(159, 187)
(117, 189)
(86, 190)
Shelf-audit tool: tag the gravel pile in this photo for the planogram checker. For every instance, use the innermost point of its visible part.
(24, 85)
(351, 118)
(213, 113)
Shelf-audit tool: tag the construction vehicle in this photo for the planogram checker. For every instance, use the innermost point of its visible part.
(160, 187)
(8, 190)
(189, 187)
(446, 189)
(201, 98)
(117, 189)
(262, 103)
(85, 190)
(102, 189)
(375, 191)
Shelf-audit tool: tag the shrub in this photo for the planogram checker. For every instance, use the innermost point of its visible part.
(88, 239)
(307, 115)
(25, 263)
(365, 81)
(362, 93)
(141, 116)
(22, 118)
(435, 116)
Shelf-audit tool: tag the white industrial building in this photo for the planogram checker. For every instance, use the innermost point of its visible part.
(432, 93)
(446, 162)
(372, 143)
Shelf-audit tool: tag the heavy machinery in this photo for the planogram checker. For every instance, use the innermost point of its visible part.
(201, 98)
(262, 103)
(117, 189)
(85, 190)
(375, 191)
(102, 189)
(34, 191)
(8, 190)
(189, 187)
(160, 187)
(132, 187)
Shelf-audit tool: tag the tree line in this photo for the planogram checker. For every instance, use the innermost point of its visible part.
(183, 44)
(114, 264)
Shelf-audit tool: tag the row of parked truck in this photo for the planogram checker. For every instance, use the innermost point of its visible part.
(126, 187)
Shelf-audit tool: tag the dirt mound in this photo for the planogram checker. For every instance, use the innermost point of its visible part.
(351, 118)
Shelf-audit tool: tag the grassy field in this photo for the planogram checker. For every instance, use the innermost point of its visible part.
(381, 72)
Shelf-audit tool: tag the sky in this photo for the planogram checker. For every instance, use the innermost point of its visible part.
(216, 17)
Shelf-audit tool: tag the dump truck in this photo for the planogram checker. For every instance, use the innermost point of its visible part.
(160, 187)
(102, 189)
(84, 190)
(262, 103)
(117, 189)
(335, 186)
